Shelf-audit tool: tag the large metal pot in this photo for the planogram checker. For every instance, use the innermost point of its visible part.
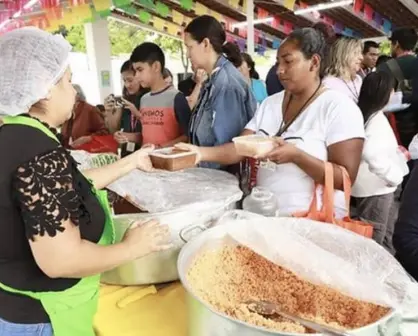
(161, 267)
(204, 321)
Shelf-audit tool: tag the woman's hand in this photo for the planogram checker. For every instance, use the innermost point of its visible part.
(141, 159)
(200, 76)
(284, 152)
(81, 141)
(131, 107)
(120, 137)
(132, 137)
(142, 239)
(190, 148)
(124, 137)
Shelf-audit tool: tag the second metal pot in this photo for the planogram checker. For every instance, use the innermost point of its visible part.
(161, 267)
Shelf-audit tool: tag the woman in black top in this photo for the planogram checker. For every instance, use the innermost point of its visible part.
(56, 231)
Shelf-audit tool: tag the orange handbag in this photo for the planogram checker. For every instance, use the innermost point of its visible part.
(326, 214)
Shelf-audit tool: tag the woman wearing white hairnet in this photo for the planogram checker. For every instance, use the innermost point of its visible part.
(56, 230)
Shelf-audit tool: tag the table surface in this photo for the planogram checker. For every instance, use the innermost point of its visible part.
(141, 311)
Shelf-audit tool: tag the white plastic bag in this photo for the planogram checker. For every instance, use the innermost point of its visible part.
(413, 148)
(329, 255)
(395, 103)
(401, 158)
(161, 191)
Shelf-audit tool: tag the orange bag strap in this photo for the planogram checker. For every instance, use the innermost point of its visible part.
(326, 213)
(347, 188)
(328, 194)
(313, 208)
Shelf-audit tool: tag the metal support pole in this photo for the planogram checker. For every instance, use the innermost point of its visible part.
(250, 27)
(99, 57)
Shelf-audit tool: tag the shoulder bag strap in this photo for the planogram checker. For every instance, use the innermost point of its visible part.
(396, 70)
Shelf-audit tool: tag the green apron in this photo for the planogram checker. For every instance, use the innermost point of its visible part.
(71, 311)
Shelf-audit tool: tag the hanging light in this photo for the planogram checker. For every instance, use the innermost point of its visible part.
(245, 23)
(30, 4)
(323, 6)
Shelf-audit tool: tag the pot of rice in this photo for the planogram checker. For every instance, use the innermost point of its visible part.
(220, 276)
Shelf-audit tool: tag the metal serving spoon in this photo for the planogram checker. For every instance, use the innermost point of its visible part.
(269, 309)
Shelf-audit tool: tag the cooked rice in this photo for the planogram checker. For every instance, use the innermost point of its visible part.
(228, 277)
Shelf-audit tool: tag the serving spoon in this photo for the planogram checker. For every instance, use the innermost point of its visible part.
(269, 309)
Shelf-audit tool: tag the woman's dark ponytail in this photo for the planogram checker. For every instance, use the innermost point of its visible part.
(254, 74)
(232, 53)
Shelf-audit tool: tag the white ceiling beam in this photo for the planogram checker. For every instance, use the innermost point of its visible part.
(348, 9)
(411, 5)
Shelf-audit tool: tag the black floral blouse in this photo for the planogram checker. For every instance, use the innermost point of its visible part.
(40, 188)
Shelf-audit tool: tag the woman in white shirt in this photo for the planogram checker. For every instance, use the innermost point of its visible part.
(382, 166)
(329, 127)
(343, 63)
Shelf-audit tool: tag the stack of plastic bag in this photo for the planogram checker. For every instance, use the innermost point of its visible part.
(326, 254)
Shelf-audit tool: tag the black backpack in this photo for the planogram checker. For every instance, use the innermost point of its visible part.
(404, 85)
(406, 121)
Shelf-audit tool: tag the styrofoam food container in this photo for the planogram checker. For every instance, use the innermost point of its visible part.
(253, 145)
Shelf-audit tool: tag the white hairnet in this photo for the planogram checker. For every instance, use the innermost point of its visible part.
(32, 61)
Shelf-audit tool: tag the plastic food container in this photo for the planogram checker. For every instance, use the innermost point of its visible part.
(261, 201)
(253, 145)
(172, 159)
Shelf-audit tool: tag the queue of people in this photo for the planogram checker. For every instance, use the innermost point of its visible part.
(57, 234)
